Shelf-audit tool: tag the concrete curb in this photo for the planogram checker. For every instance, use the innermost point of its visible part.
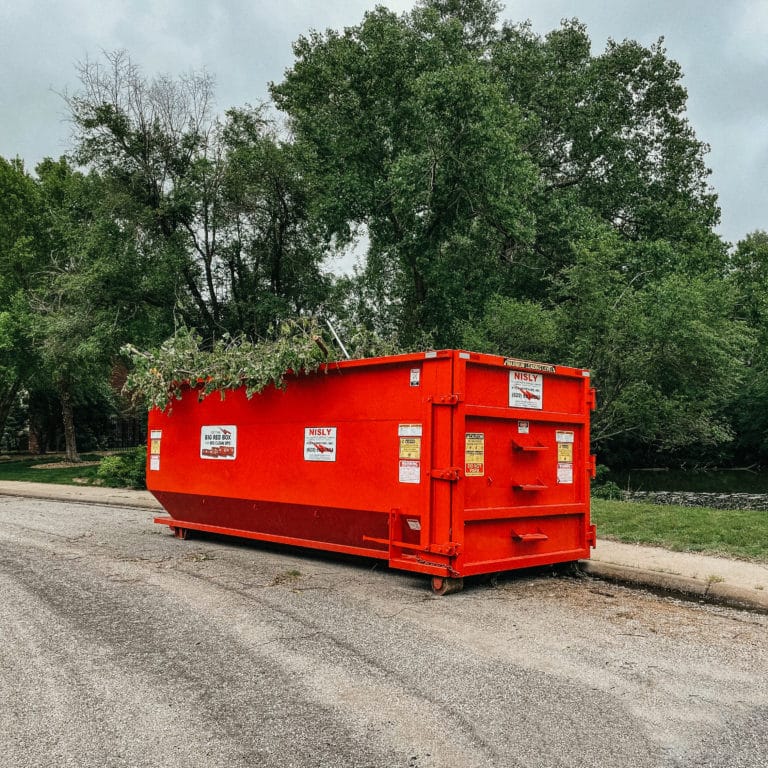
(111, 497)
(705, 591)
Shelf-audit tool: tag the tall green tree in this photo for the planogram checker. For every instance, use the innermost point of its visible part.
(218, 204)
(408, 137)
(90, 294)
(21, 256)
(748, 274)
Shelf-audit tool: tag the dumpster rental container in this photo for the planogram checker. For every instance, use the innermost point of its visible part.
(446, 463)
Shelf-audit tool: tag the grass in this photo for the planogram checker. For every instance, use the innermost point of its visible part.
(733, 533)
(22, 469)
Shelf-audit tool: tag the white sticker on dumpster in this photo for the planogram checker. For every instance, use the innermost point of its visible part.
(564, 473)
(218, 442)
(409, 471)
(526, 390)
(320, 444)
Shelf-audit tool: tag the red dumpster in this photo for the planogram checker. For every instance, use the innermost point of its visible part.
(446, 463)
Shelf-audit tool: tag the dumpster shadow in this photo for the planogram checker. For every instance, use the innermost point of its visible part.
(350, 565)
(312, 557)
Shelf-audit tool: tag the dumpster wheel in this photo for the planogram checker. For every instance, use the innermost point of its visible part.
(179, 533)
(442, 585)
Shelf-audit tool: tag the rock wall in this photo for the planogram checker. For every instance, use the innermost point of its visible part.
(695, 499)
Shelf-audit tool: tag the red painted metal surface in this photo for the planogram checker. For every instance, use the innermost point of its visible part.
(445, 463)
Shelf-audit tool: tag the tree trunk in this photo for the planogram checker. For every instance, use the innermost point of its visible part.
(7, 397)
(68, 416)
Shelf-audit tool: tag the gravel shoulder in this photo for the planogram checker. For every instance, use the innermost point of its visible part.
(122, 646)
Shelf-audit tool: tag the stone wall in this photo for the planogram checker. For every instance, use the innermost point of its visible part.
(695, 499)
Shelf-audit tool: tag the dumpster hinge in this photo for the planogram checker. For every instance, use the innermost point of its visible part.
(451, 474)
(450, 549)
(591, 398)
(592, 466)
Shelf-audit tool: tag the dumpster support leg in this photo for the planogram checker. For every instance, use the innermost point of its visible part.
(442, 585)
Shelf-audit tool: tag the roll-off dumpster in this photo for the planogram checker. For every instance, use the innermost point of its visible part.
(446, 463)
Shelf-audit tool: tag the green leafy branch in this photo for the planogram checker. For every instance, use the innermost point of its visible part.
(296, 347)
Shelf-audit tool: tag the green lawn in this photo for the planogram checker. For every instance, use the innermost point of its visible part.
(22, 469)
(741, 534)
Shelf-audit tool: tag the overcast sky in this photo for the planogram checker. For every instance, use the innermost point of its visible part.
(722, 46)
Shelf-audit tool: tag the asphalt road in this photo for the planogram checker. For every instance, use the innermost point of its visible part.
(122, 646)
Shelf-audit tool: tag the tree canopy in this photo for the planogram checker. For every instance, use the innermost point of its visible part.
(504, 191)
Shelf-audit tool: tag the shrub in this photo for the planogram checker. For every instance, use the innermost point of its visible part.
(607, 490)
(124, 470)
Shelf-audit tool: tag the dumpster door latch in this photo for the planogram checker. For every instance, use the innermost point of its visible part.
(452, 399)
(451, 474)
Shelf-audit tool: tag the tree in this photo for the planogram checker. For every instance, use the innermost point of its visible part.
(748, 274)
(89, 296)
(270, 249)
(405, 133)
(20, 258)
(218, 205)
(609, 134)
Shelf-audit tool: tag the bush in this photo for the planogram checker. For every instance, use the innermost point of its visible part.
(603, 488)
(607, 490)
(124, 470)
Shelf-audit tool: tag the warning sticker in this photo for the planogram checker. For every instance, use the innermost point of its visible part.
(409, 430)
(565, 473)
(523, 427)
(563, 437)
(474, 454)
(218, 442)
(154, 449)
(320, 444)
(409, 471)
(410, 447)
(526, 390)
(565, 452)
(415, 377)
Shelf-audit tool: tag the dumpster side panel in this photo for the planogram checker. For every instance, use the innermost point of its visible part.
(337, 458)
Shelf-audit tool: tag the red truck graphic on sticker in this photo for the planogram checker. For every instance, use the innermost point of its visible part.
(528, 394)
(218, 451)
(526, 390)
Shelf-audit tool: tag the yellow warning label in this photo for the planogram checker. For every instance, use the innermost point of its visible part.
(410, 447)
(154, 447)
(565, 451)
(474, 454)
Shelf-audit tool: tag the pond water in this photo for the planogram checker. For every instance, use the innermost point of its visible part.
(701, 481)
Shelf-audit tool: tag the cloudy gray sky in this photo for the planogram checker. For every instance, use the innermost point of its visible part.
(722, 46)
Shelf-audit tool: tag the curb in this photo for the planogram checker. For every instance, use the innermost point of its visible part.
(702, 591)
(117, 498)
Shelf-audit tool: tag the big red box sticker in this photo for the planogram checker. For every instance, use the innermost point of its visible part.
(526, 390)
(218, 442)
